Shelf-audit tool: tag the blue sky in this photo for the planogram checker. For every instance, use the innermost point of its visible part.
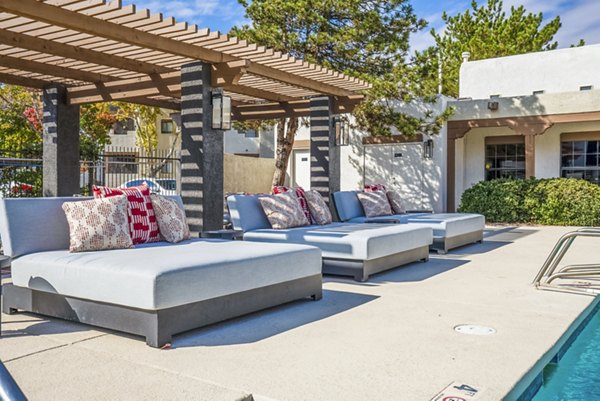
(579, 17)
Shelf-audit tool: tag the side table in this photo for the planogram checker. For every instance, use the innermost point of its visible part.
(223, 234)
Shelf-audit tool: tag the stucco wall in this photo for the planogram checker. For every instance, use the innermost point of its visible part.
(354, 163)
(563, 70)
(470, 152)
(247, 174)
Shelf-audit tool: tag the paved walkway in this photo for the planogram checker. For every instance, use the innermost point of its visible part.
(390, 339)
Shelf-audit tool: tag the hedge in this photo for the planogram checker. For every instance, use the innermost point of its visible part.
(556, 201)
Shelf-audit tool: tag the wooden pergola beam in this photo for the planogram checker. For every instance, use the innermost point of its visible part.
(53, 70)
(58, 16)
(28, 42)
(27, 82)
(258, 93)
(167, 84)
(229, 73)
(163, 104)
(294, 108)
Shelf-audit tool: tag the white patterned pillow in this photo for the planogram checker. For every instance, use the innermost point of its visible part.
(318, 208)
(283, 211)
(396, 202)
(171, 220)
(375, 203)
(98, 224)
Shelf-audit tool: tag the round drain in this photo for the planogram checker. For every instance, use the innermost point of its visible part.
(474, 330)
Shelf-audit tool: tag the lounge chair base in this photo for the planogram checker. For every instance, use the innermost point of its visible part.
(443, 245)
(158, 326)
(361, 270)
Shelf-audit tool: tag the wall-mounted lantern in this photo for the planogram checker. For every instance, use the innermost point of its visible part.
(221, 111)
(493, 105)
(341, 126)
(428, 149)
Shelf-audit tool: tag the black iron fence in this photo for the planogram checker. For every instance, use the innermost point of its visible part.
(21, 173)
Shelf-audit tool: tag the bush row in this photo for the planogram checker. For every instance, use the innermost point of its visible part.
(556, 201)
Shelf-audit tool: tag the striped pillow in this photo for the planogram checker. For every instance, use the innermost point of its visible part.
(143, 227)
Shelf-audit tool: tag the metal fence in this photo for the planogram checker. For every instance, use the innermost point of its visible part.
(21, 173)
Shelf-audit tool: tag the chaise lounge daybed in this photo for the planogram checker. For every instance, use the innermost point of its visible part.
(356, 250)
(154, 290)
(450, 230)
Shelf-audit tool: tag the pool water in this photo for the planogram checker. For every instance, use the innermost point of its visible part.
(577, 376)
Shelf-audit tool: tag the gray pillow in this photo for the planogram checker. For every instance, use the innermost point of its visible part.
(318, 208)
(283, 211)
(375, 203)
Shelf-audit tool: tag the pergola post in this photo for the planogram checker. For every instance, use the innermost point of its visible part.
(60, 143)
(324, 152)
(529, 156)
(201, 151)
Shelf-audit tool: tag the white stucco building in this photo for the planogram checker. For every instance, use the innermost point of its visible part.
(531, 115)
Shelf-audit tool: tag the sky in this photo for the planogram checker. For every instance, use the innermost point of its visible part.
(579, 17)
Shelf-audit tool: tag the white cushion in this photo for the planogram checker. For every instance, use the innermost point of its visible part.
(161, 275)
(444, 225)
(350, 241)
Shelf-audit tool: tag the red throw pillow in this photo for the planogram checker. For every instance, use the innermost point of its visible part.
(375, 187)
(299, 192)
(143, 227)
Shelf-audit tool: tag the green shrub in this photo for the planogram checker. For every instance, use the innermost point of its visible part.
(556, 201)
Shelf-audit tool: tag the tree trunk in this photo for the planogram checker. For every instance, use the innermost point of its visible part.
(286, 132)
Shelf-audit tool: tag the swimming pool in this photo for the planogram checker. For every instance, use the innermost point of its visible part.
(576, 377)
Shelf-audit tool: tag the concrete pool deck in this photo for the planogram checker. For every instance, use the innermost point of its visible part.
(390, 339)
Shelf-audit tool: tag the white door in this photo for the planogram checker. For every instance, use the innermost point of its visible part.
(407, 175)
(301, 174)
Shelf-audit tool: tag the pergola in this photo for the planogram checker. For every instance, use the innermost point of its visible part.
(85, 51)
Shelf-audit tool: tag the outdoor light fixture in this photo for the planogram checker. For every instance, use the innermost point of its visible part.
(221, 111)
(493, 106)
(428, 149)
(342, 130)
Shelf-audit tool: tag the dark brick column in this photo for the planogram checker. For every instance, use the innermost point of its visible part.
(61, 143)
(324, 154)
(201, 151)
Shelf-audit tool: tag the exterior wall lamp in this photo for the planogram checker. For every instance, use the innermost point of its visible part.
(428, 149)
(342, 130)
(221, 110)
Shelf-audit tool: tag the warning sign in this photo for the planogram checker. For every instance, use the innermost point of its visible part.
(458, 391)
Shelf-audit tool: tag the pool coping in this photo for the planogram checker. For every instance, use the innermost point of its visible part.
(528, 386)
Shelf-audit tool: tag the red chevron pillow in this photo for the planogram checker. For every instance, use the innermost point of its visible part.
(374, 187)
(143, 227)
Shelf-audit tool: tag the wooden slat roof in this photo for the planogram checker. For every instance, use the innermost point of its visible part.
(105, 51)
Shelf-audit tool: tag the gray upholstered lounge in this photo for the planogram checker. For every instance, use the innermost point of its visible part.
(356, 250)
(154, 290)
(450, 230)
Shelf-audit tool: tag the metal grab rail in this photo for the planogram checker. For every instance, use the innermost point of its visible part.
(9, 390)
(547, 274)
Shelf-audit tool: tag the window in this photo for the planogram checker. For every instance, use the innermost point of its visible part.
(167, 126)
(579, 159)
(504, 160)
(122, 127)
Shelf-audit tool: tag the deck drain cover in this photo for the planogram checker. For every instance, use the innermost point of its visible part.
(474, 330)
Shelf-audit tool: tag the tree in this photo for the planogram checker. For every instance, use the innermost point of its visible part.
(368, 39)
(485, 31)
(146, 119)
(20, 119)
